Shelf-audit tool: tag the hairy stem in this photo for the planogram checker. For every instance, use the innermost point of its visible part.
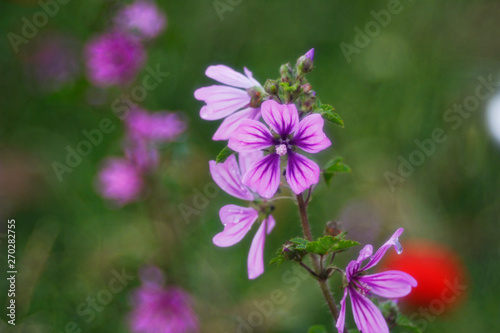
(315, 259)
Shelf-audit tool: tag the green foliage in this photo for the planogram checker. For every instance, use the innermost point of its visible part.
(334, 166)
(328, 244)
(224, 154)
(391, 313)
(327, 113)
(297, 247)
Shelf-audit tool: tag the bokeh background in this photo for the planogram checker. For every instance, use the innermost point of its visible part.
(394, 91)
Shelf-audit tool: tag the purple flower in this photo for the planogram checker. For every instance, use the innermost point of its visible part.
(120, 181)
(142, 154)
(113, 58)
(238, 220)
(154, 127)
(286, 134)
(53, 61)
(389, 284)
(233, 101)
(143, 18)
(161, 310)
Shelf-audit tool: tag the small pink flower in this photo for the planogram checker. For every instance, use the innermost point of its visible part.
(120, 181)
(161, 310)
(113, 58)
(231, 101)
(390, 284)
(143, 18)
(155, 127)
(238, 220)
(286, 134)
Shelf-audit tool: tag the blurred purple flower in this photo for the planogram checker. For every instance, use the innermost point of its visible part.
(113, 58)
(161, 310)
(224, 101)
(142, 17)
(154, 127)
(238, 220)
(389, 284)
(52, 61)
(287, 134)
(120, 181)
(142, 154)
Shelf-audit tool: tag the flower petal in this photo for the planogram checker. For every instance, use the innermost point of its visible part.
(250, 77)
(353, 267)
(237, 222)
(221, 101)
(310, 136)
(301, 172)
(341, 319)
(228, 76)
(393, 241)
(231, 123)
(247, 159)
(389, 284)
(283, 119)
(250, 135)
(228, 176)
(367, 316)
(256, 254)
(264, 176)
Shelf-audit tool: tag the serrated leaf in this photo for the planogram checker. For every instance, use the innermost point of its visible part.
(332, 117)
(278, 260)
(328, 244)
(317, 329)
(300, 243)
(224, 154)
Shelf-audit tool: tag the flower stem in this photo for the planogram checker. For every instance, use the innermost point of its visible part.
(315, 260)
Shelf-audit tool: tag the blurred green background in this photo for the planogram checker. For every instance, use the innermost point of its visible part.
(396, 90)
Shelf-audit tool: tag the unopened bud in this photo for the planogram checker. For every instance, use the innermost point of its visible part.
(271, 87)
(305, 63)
(255, 97)
(333, 228)
(286, 72)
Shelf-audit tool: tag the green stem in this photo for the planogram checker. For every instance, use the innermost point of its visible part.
(315, 260)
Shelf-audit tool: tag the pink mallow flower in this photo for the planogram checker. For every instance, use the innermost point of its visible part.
(389, 284)
(286, 134)
(155, 127)
(113, 58)
(161, 310)
(238, 220)
(235, 101)
(142, 18)
(120, 181)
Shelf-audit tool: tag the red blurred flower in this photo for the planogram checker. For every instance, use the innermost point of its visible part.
(440, 274)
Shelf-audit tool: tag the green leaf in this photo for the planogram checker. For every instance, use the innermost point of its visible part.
(337, 165)
(317, 329)
(405, 322)
(328, 244)
(300, 243)
(224, 154)
(278, 260)
(332, 117)
(334, 166)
